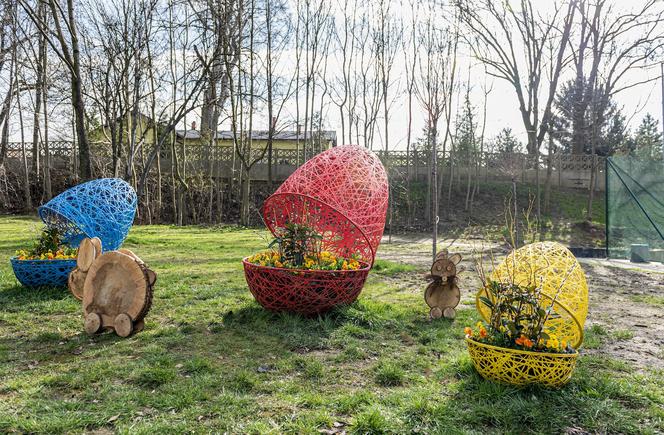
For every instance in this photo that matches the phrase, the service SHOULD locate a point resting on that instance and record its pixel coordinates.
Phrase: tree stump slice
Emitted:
(131, 254)
(96, 242)
(75, 283)
(87, 252)
(117, 284)
(139, 326)
(435, 313)
(123, 325)
(92, 323)
(439, 294)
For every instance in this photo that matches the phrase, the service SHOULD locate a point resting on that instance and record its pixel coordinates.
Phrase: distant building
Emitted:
(101, 135)
(282, 140)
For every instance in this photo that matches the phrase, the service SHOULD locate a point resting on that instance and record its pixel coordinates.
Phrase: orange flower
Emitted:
(524, 341)
(483, 333)
(468, 331)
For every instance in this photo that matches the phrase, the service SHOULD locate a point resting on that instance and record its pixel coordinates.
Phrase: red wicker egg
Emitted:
(343, 194)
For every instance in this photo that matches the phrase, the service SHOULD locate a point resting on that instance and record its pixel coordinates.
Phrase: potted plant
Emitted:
(515, 346)
(297, 274)
(533, 307)
(47, 263)
(327, 218)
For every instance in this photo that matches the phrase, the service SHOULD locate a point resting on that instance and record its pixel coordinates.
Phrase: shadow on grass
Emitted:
(593, 391)
(17, 295)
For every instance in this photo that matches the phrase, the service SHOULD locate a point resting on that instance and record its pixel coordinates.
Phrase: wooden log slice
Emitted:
(87, 252)
(96, 241)
(435, 313)
(75, 282)
(443, 268)
(442, 295)
(131, 254)
(117, 284)
(449, 313)
(455, 258)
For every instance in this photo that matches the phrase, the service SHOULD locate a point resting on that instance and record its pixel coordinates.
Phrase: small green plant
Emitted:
(296, 241)
(50, 246)
(517, 319)
(370, 421)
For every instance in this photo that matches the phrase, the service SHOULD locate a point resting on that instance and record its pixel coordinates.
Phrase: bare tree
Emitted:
(512, 41)
(435, 83)
(64, 41)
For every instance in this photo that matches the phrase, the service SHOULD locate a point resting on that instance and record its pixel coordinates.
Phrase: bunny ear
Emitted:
(455, 258)
(441, 254)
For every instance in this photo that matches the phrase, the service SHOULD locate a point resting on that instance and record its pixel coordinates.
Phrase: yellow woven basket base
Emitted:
(517, 367)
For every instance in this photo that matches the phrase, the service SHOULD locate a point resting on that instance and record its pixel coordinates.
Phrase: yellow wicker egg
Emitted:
(552, 266)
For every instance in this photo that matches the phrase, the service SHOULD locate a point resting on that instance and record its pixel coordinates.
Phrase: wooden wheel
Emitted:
(435, 313)
(119, 289)
(449, 313)
(92, 323)
(123, 325)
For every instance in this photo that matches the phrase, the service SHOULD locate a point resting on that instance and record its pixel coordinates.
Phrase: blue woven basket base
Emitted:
(103, 208)
(36, 273)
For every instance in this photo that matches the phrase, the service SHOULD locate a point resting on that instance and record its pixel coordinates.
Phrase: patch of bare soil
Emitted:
(618, 296)
(615, 303)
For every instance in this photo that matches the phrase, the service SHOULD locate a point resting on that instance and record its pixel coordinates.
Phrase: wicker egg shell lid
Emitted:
(342, 193)
(553, 267)
(103, 208)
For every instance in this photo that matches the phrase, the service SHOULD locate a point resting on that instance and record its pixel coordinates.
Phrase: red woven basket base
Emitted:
(307, 292)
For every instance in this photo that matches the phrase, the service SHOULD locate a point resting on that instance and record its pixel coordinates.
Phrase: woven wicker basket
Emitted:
(520, 367)
(37, 273)
(308, 292)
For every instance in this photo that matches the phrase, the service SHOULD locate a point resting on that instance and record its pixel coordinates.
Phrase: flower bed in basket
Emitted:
(103, 208)
(48, 263)
(332, 206)
(530, 335)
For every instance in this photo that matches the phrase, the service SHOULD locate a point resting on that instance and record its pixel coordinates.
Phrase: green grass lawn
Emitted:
(212, 360)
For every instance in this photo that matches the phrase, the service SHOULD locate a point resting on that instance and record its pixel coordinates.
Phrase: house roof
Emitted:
(259, 135)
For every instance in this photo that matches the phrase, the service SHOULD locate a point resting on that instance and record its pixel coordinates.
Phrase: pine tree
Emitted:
(466, 133)
(507, 143)
(648, 139)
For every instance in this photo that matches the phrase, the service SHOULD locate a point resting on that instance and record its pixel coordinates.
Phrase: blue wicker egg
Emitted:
(103, 208)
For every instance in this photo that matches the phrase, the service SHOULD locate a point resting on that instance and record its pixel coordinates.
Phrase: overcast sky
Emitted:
(502, 107)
